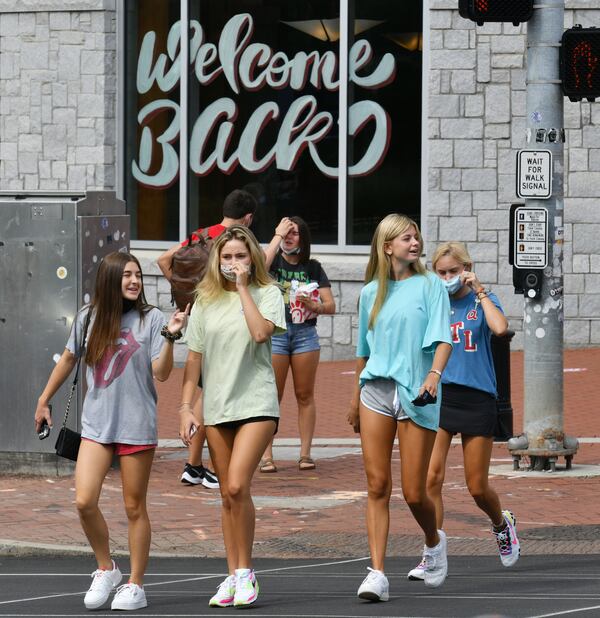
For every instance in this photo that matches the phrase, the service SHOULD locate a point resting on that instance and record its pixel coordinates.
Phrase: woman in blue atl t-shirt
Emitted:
(469, 399)
(403, 345)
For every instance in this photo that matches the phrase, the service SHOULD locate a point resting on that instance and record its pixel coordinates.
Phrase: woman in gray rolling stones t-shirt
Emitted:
(119, 337)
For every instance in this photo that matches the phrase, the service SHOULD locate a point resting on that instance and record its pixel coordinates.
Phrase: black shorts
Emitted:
(467, 411)
(252, 419)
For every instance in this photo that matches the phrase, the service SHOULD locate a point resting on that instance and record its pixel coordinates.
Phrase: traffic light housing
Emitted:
(580, 63)
(481, 11)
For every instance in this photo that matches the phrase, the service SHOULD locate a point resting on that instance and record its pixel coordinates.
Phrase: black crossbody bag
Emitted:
(68, 441)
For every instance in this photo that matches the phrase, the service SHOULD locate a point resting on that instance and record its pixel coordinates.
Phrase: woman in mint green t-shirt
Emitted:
(404, 342)
(238, 308)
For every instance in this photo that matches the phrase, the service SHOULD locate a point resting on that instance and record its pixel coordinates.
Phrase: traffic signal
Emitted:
(481, 11)
(580, 63)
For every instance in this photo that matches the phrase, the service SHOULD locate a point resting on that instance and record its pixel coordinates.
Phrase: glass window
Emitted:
(385, 112)
(270, 123)
(262, 111)
(152, 119)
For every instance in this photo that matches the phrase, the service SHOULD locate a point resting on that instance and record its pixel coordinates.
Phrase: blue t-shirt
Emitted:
(471, 363)
(414, 318)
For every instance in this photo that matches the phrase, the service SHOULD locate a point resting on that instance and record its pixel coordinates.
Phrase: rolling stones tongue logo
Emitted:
(115, 359)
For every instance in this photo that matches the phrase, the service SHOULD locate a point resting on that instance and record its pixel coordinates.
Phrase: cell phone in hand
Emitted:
(193, 430)
(44, 431)
(424, 399)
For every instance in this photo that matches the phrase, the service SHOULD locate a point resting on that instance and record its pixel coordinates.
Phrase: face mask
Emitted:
(294, 251)
(453, 285)
(227, 272)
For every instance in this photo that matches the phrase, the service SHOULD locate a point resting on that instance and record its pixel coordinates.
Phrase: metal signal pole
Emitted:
(543, 316)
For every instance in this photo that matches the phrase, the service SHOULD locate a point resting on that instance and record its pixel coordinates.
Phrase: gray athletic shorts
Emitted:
(381, 396)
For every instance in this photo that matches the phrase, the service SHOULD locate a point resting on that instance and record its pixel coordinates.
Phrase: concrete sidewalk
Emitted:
(322, 513)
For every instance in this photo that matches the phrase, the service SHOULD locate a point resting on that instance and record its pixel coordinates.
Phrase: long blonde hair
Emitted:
(454, 249)
(212, 284)
(380, 265)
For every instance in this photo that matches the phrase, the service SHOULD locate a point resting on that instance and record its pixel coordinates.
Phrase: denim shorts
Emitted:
(298, 338)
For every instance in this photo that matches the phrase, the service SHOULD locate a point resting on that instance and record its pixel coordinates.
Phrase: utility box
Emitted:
(50, 247)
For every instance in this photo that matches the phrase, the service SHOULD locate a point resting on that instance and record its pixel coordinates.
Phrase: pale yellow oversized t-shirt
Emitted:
(237, 373)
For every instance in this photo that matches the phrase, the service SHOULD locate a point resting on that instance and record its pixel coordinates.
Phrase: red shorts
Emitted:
(125, 449)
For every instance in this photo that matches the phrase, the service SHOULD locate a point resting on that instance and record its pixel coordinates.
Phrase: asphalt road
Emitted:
(537, 587)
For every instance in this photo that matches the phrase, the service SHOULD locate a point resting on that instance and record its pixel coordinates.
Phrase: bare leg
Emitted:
(240, 456)
(135, 473)
(197, 442)
(220, 445)
(377, 433)
(437, 473)
(281, 363)
(477, 452)
(416, 444)
(304, 370)
(92, 465)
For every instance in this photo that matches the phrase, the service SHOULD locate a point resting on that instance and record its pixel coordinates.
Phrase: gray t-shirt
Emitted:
(120, 404)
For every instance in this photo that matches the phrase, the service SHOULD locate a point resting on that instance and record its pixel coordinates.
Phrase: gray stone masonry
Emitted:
(476, 117)
(57, 88)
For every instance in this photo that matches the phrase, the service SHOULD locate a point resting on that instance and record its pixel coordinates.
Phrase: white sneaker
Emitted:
(436, 562)
(103, 583)
(246, 587)
(509, 547)
(375, 587)
(129, 596)
(225, 593)
(418, 573)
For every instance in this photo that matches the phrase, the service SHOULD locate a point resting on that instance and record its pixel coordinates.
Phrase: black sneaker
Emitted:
(209, 479)
(192, 475)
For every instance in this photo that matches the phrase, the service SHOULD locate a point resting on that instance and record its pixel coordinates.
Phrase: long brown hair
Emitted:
(380, 264)
(304, 240)
(107, 305)
(212, 284)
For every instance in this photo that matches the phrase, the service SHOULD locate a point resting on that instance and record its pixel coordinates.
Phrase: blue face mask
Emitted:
(453, 285)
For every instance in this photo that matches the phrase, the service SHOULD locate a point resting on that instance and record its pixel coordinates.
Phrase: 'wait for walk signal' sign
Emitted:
(534, 174)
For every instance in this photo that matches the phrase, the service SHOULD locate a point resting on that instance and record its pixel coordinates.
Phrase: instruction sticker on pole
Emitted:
(534, 174)
(531, 237)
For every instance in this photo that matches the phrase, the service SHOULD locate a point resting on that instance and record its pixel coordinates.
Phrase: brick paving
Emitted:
(321, 513)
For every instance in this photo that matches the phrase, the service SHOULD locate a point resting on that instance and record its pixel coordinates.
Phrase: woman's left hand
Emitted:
(430, 383)
(470, 278)
(178, 320)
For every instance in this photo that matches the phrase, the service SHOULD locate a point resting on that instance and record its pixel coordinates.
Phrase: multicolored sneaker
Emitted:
(418, 573)
(225, 593)
(509, 547)
(246, 587)
(436, 562)
(375, 587)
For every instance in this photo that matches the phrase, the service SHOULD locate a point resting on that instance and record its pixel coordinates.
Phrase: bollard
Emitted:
(501, 356)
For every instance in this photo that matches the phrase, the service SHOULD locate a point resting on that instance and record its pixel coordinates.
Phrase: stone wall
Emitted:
(476, 125)
(57, 95)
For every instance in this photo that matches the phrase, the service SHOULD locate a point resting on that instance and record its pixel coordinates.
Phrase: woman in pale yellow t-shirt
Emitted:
(238, 308)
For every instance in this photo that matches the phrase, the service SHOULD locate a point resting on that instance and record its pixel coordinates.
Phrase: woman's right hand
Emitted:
(354, 417)
(42, 413)
(187, 421)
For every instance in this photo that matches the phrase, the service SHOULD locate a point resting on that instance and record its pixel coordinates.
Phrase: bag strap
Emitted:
(76, 378)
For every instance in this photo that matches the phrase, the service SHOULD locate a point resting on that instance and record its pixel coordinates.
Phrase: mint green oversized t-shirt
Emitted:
(414, 318)
(237, 374)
